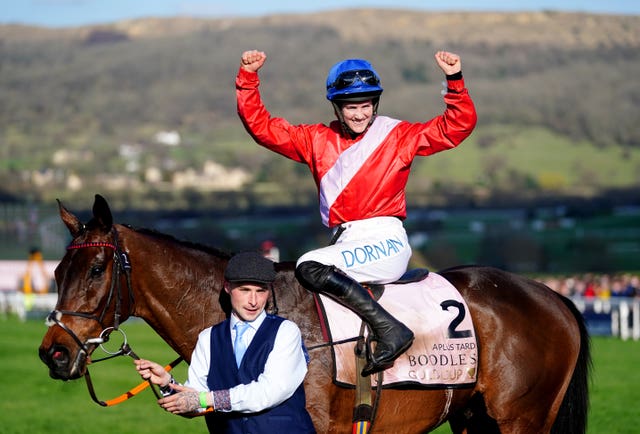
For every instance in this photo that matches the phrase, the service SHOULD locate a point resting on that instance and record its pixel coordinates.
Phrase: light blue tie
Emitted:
(239, 347)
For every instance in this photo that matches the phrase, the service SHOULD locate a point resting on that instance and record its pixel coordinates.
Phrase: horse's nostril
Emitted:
(57, 355)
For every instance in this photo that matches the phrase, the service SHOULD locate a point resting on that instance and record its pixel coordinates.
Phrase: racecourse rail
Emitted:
(615, 316)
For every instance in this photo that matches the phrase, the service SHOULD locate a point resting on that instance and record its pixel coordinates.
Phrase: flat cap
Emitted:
(250, 267)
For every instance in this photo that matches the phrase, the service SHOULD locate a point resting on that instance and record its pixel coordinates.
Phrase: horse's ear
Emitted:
(102, 213)
(72, 222)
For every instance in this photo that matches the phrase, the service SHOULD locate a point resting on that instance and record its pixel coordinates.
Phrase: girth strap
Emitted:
(364, 412)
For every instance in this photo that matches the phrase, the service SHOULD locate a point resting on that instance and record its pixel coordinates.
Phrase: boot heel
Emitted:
(387, 360)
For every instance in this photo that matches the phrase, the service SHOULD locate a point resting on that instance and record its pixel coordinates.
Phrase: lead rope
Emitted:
(125, 350)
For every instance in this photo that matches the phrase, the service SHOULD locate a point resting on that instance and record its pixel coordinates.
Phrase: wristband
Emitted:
(167, 390)
(203, 400)
(456, 76)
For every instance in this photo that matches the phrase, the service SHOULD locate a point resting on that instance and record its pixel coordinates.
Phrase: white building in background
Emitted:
(212, 177)
(168, 138)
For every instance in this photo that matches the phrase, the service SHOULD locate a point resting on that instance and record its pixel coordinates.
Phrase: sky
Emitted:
(71, 13)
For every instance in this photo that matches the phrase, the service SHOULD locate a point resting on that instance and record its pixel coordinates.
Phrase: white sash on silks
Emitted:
(350, 162)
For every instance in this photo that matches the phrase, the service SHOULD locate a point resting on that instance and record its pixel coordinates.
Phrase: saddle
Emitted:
(410, 276)
(443, 354)
(444, 351)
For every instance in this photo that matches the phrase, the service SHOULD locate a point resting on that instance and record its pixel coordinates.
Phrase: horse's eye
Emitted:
(97, 270)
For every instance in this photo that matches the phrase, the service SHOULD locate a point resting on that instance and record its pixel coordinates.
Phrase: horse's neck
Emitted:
(176, 291)
(297, 304)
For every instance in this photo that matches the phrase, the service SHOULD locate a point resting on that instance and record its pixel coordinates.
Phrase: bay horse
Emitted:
(533, 360)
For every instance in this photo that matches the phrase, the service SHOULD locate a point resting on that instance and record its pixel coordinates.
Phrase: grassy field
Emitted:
(31, 402)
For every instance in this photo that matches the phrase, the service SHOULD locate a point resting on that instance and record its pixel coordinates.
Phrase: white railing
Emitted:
(617, 316)
(37, 301)
(27, 305)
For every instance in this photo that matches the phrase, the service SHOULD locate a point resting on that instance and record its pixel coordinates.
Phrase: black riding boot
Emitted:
(391, 336)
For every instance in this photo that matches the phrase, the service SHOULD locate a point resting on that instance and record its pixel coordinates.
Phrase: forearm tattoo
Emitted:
(188, 401)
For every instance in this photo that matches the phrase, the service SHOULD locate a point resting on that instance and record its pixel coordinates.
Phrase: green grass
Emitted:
(31, 402)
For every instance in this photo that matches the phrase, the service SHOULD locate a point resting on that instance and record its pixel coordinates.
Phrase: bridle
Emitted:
(121, 266)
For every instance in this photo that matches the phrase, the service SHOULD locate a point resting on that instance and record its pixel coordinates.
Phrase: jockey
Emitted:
(360, 163)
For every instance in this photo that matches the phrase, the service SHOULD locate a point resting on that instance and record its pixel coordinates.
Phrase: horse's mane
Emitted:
(188, 244)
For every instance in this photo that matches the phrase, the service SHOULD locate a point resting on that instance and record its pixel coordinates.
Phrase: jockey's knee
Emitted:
(313, 275)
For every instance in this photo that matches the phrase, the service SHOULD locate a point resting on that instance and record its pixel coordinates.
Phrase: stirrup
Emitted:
(374, 365)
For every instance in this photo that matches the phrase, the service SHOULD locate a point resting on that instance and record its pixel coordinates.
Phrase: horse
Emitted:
(533, 346)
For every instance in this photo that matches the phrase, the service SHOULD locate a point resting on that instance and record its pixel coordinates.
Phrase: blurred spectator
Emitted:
(589, 289)
(270, 251)
(623, 286)
(633, 286)
(591, 285)
(603, 286)
(35, 279)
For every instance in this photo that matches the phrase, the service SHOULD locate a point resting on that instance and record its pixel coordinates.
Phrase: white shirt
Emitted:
(284, 370)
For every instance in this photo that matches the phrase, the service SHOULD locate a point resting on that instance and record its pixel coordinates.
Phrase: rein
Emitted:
(121, 264)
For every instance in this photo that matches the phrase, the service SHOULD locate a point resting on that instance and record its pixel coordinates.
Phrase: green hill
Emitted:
(557, 96)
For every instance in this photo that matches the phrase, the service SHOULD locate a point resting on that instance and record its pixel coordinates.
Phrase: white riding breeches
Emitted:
(374, 250)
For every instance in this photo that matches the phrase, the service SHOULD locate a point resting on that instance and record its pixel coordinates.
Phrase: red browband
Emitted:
(96, 244)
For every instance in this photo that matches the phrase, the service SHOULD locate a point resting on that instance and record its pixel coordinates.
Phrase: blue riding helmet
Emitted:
(353, 79)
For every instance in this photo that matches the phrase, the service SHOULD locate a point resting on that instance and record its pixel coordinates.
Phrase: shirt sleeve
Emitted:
(200, 359)
(283, 373)
(445, 131)
(274, 133)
